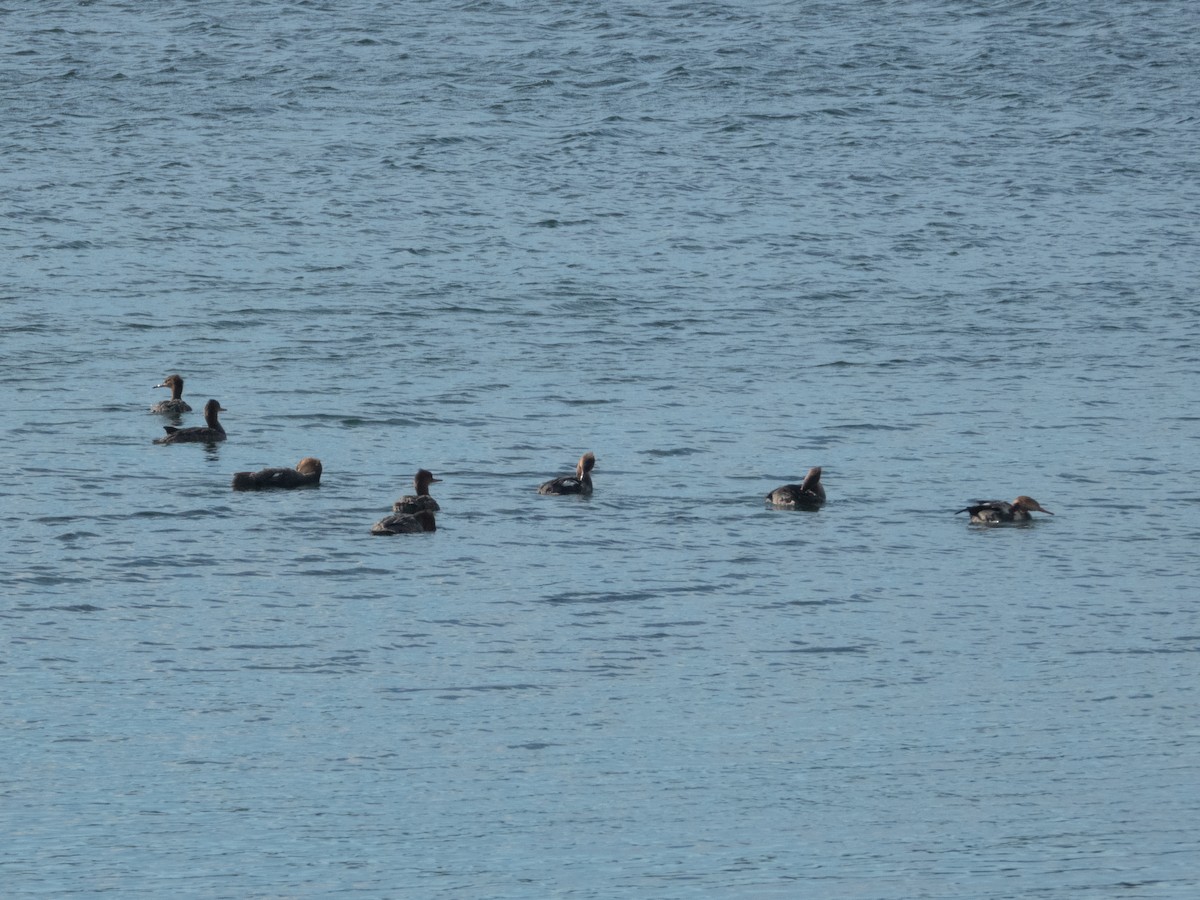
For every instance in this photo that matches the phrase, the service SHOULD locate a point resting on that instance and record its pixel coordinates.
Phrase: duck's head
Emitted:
(1030, 505)
(310, 465)
(174, 382)
(211, 408)
(587, 462)
(422, 480)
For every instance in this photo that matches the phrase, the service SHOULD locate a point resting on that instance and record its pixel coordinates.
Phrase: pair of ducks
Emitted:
(176, 406)
(810, 494)
(413, 514)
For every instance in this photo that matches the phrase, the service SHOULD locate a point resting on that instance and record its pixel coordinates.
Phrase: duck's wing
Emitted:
(978, 506)
(567, 484)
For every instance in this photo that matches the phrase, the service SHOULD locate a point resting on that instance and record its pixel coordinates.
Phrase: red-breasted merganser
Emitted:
(809, 494)
(405, 523)
(579, 483)
(994, 512)
(212, 433)
(421, 501)
(175, 406)
(306, 474)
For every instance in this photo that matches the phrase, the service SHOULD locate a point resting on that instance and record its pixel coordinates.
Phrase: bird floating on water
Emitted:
(405, 523)
(579, 483)
(175, 406)
(208, 434)
(809, 494)
(996, 512)
(306, 474)
(420, 501)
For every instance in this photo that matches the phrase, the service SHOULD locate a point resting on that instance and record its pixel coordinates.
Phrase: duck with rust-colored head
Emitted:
(175, 406)
(997, 512)
(420, 501)
(209, 434)
(306, 474)
(808, 494)
(405, 523)
(579, 483)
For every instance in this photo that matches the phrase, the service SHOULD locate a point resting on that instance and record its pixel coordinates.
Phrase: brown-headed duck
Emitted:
(808, 494)
(421, 501)
(405, 523)
(579, 483)
(175, 406)
(207, 435)
(996, 512)
(306, 474)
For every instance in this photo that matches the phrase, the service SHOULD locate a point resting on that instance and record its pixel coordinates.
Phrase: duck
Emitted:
(405, 523)
(996, 512)
(579, 483)
(306, 474)
(175, 406)
(808, 494)
(207, 435)
(411, 503)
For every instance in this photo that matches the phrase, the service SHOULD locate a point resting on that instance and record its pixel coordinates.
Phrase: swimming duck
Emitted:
(306, 474)
(175, 406)
(405, 523)
(808, 494)
(411, 503)
(213, 432)
(579, 483)
(994, 512)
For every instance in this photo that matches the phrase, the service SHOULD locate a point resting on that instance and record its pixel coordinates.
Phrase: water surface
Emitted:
(945, 252)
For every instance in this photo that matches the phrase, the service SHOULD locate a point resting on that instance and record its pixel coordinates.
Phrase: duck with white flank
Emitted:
(997, 512)
(579, 483)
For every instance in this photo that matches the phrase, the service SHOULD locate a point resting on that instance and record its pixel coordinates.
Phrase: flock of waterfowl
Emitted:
(413, 513)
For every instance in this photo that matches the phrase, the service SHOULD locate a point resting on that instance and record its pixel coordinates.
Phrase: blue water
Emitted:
(943, 250)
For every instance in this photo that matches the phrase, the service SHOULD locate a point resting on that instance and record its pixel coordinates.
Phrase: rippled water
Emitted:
(945, 251)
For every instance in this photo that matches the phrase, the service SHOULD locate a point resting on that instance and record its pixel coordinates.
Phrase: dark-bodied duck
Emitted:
(207, 435)
(579, 483)
(996, 512)
(306, 474)
(421, 501)
(405, 523)
(175, 406)
(808, 494)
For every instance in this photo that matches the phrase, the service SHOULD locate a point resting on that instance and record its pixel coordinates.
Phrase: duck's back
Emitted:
(404, 523)
(171, 407)
(200, 435)
(567, 484)
(796, 496)
(412, 503)
(991, 512)
(274, 479)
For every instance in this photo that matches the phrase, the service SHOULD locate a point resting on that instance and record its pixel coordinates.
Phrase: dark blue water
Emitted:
(944, 251)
